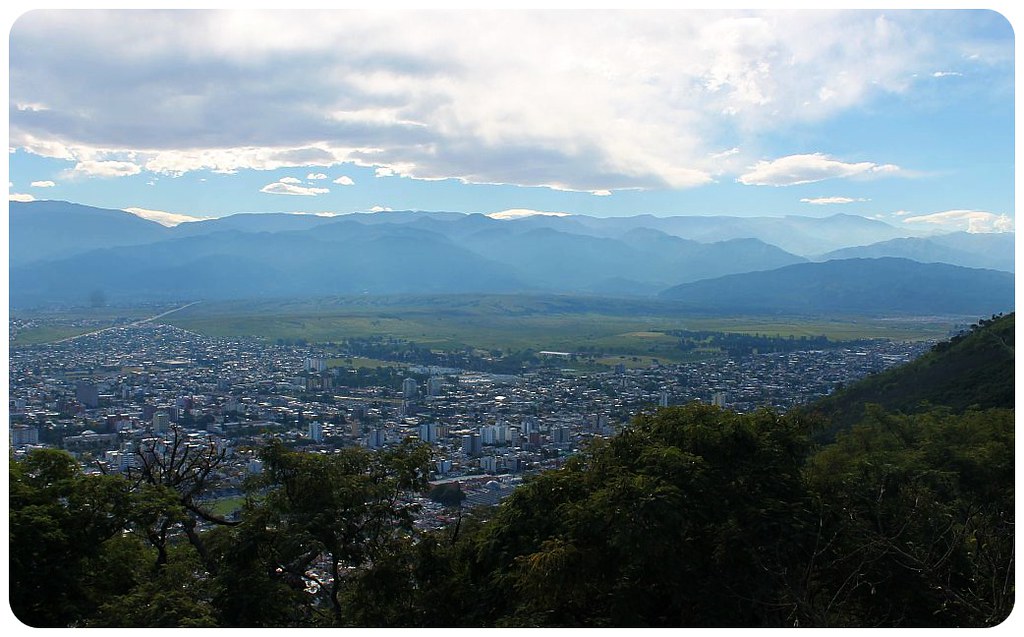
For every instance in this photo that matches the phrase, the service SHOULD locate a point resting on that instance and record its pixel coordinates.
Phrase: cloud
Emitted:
(43, 184)
(168, 219)
(290, 180)
(805, 169)
(380, 209)
(315, 176)
(824, 201)
(601, 193)
(283, 187)
(592, 102)
(20, 197)
(92, 168)
(344, 181)
(974, 221)
(947, 74)
(519, 213)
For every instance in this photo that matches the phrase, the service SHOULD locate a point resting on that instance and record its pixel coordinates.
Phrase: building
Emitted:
(87, 394)
(161, 421)
(24, 435)
(409, 388)
(316, 365)
(434, 386)
(316, 431)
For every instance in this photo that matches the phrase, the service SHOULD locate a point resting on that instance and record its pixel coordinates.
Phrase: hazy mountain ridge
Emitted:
(60, 252)
(990, 250)
(858, 286)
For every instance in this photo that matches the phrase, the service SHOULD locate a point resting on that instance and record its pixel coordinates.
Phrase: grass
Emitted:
(48, 334)
(358, 362)
(225, 506)
(614, 327)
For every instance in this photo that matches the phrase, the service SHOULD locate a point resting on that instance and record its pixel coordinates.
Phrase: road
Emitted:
(134, 324)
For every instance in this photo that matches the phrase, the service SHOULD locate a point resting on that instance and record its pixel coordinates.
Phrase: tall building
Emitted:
(87, 394)
(434, 386)
(161, 421)
(428, 432)
(409, 388)
(316, 431)
(317, 365)
(24, 435)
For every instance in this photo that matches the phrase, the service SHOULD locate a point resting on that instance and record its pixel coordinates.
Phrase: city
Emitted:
(107, 396)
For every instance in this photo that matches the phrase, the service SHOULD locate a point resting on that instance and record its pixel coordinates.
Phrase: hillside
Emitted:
(980, 250)
(41, 230)
(974, 369)
(856, 286)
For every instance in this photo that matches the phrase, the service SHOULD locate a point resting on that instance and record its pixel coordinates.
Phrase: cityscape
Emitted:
(106, 396)
(376, 317)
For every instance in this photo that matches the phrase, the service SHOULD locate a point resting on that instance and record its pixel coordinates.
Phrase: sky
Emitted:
(901, 115)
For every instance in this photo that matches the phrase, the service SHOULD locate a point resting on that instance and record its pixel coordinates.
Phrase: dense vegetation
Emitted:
(974, 368)
(737, 345)
(691, 516)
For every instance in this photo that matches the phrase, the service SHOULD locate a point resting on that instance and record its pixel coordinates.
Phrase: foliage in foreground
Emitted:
(693, 516)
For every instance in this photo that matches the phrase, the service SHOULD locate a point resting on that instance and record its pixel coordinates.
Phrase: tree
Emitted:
(171, 477)
(313, 520)
(916, 521)
(60, 524)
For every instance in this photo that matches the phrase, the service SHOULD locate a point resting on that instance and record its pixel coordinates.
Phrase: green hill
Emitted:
(974, 369)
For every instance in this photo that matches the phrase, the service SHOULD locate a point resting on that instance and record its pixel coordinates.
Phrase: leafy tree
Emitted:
(170, 479)
(683, 519)
(916, 521)
(449, 494)
(60, 521)
(315, 519)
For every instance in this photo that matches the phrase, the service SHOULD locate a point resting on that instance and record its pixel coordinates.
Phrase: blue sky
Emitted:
(905, 116)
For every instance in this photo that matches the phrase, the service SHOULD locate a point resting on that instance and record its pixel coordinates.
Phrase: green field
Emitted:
(607, 327)
(613, 327)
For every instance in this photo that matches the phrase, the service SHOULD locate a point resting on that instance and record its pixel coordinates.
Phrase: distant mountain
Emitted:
(250, 222)
(74, 249)
(804, 236)
(981, 250)
(347, 258)
(41, 230)
(974, 369)
(857, 286)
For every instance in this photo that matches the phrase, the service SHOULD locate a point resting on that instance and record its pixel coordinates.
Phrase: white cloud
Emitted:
(315, 176)
(168, 219)
(20, 197)
(601, 193)
(92, 168)
(384, 171)
(947, 74)
(285, 188)
(380, 209)
(519, 213)
(592, 102)
(965, 220)
(43, 184)
(290, 180)
(344, 181)
(825, 201)
(805, 169)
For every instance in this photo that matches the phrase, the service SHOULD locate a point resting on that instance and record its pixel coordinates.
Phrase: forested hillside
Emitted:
(974, 368)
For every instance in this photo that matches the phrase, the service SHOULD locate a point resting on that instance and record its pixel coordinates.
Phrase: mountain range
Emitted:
(62, 252)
